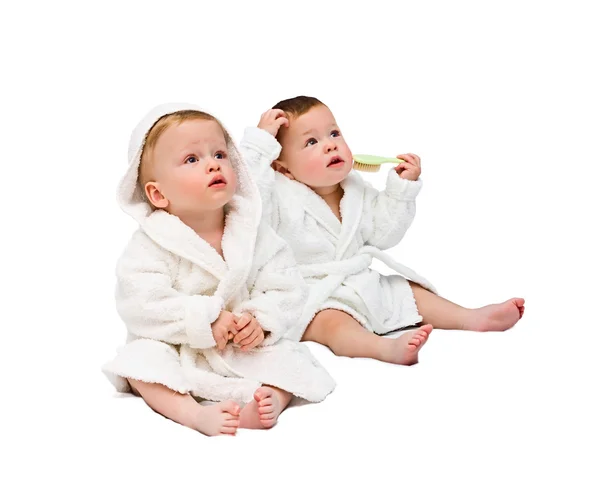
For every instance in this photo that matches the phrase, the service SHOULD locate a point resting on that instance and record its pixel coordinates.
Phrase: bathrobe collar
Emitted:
(243, 214)
(351, 209)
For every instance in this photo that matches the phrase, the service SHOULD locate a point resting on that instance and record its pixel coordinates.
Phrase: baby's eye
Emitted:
(191, 159)
(335, 133)
(312, 141)
(220, 155)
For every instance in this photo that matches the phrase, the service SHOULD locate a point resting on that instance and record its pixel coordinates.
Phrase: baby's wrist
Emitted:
(402, 188)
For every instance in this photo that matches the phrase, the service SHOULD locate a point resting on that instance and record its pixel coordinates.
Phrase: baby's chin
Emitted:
(219, 203)
(202, 206)
(328, 181)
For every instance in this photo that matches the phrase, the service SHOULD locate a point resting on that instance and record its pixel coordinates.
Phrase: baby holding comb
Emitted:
(336, 223)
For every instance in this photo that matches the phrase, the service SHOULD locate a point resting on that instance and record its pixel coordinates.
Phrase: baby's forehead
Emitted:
(202, 127)
(198, 132)
(189, 135)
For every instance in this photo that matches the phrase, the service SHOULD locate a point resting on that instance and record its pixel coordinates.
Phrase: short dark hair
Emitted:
(298, 106)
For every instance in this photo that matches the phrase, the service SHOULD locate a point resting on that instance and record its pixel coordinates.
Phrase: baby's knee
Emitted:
(325, 324)
(331, 318)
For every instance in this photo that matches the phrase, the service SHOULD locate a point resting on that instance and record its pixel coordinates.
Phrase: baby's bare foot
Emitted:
(220, 419)
(263, 411)
(405, 349)
(497, 317)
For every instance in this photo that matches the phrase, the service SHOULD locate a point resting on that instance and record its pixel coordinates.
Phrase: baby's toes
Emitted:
(266, 402)
(231, 407)
(268, 421)
(267, 418)
(266, 410)
(231, 423)
(262, 394)
(228, 430)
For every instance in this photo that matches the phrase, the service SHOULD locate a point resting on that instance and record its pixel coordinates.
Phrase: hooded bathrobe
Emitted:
(172, 285)
(334, 257)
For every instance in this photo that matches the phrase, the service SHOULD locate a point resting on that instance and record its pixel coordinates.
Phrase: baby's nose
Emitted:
(213, 165)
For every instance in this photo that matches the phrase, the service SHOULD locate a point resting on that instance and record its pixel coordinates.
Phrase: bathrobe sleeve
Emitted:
(278, 294)
(390, 212)
(149, 305)
(259, 149)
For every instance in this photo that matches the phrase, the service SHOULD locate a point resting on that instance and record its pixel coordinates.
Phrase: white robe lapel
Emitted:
(239, 240)
(317, 208)
(351, 209)
(171, 233)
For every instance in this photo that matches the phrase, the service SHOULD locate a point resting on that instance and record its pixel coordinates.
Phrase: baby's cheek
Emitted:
(231, 177)
(314, 169)
(232, 186)
(192, 185)
(347, 154)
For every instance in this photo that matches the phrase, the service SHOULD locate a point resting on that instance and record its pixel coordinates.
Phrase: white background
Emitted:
(501, 101)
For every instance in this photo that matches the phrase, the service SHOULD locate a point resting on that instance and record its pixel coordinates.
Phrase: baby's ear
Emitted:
(280, 168)
(154, 195)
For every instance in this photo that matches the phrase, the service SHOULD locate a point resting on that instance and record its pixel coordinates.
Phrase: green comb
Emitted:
(370, 163)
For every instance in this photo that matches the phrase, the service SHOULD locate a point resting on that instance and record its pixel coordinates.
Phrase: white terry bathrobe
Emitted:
(334, 257)
(172, 285)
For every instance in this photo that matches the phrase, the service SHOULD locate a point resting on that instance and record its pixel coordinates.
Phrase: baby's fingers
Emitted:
(243, 334)
(220, 340)
(282, 121)
(403, 166)
(417, 159)
(253, 341)
(276, 112)
(407, 158)
(242, 322)
(410, 158)
(253, 334)
(271, 114)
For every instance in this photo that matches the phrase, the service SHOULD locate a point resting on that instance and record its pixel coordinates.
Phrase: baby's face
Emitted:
(192, 168)
(314, 150)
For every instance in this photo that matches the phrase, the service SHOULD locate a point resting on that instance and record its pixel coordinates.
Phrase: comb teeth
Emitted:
(367, 168)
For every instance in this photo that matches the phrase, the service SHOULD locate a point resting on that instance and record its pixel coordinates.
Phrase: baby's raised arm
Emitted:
(259, 148)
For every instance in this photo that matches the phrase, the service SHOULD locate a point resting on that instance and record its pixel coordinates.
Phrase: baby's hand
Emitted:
(410, 169)
(224, 328)
(249, 332)
(272, 120)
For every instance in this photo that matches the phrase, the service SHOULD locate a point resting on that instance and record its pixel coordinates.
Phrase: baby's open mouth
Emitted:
(218, 180)
(336, 160)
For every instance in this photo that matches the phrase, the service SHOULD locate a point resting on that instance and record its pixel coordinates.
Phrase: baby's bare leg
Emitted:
(222, 418)
(444, 314)
(346, 337)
